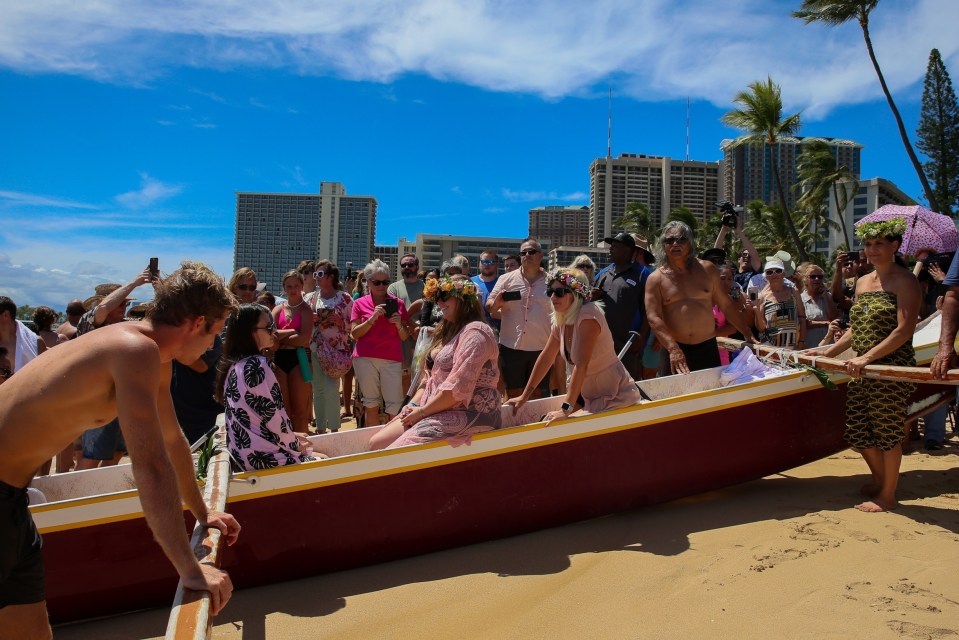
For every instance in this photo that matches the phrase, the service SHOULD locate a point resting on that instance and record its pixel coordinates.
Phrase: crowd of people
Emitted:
(437, 353)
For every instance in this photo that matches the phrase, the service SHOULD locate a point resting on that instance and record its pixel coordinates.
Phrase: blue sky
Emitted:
(127, 125)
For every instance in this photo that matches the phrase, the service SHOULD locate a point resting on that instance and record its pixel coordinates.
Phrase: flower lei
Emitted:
(887, 228)
(569, 281)
(462, 289)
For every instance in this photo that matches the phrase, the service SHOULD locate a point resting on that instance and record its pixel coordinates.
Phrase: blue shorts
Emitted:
(103, 442)
(21, 557)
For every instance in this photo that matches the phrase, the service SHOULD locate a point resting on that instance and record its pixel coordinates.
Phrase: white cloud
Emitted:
(651, 50)
(543, 196)
(150, 192)
(16, 198)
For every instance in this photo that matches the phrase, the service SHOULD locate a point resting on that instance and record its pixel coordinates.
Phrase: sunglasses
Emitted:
(584, 267)
(409, 265)
(379, 283)
(246, 287)
(529, 252)
(559, 292)
(770, 272)
(487, 262)
(815, 277)
(270, 328)
(671, 241)
(443, 296)
(319, 274)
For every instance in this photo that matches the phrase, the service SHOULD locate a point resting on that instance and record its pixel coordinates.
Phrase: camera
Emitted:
(730, 213)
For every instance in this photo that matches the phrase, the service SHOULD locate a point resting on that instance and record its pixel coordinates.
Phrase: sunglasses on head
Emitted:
(379, 283)
(769, 272)
(559, 292)
(487, 262)
(679, 240)
(529, 252)
(246, 287)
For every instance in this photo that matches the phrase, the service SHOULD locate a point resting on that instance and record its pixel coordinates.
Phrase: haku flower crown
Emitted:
(462, 289)
(568, 280)
(883, 229)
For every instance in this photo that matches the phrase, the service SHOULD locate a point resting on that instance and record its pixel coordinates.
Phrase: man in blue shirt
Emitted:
(486, 280)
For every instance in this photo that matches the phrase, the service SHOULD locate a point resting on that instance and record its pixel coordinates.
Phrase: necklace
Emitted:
(292, 307)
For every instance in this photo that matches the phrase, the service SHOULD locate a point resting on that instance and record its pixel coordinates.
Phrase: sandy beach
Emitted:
(781, 557)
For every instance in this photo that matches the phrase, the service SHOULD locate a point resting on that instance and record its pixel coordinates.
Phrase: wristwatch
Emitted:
(566, 407)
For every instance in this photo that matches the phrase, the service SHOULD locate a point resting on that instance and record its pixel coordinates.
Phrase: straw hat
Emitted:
(101, 292)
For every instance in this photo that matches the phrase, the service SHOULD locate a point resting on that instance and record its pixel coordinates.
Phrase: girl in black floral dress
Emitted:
(259, 432)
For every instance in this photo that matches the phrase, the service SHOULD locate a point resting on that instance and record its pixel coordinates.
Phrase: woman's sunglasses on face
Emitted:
(270, 328)
(559, 292)
(815, 276)
(319, 274)
(770, 272)
(379, 283)
(246, 287)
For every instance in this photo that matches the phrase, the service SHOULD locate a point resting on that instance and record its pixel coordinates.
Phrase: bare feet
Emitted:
(876, 506)
(870, 490)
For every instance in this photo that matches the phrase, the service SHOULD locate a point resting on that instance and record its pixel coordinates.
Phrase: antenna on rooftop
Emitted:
(609, 125)
(687, 128)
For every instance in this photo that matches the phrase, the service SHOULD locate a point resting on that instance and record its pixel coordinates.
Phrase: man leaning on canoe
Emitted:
(121, 370)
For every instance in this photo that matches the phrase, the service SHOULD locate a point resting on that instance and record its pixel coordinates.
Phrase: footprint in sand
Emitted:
(903, 597)
(919, 631)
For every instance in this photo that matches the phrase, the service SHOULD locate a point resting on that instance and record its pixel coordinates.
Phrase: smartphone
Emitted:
(155, 267)
(391, 306)
(512, 295)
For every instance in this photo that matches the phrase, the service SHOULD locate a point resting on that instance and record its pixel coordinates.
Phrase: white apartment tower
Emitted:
(660, 182)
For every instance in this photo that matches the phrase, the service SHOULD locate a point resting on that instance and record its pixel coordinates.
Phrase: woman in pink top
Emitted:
(294, 323)
(379, 326)
(459, 395)
(598, 380)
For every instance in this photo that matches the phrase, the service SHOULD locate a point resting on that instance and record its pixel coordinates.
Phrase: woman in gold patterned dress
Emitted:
(883, 319)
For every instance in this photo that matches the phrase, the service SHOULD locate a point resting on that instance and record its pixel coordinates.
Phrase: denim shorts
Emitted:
(103, 442)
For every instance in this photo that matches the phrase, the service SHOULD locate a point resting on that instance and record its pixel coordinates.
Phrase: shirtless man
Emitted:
(679, 305)
(123, 369)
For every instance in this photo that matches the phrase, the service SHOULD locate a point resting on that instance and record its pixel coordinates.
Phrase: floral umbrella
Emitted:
(925, 229)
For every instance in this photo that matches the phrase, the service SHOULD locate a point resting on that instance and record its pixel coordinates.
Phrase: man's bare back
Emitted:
(48, 404)
(686, 301)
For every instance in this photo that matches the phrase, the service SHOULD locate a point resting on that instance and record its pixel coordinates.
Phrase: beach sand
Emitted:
(781, 557)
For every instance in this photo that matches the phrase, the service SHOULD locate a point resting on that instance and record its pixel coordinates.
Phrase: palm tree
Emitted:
(818, 174)
(760, 116)
(836, 12)
(637, 219)
(768, 232)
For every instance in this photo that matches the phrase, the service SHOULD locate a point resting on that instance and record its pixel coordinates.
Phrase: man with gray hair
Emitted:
(680, 296)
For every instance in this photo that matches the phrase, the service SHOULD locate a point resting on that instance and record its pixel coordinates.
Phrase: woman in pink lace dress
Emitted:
(598, 380)
(459, 395)
(259, 432)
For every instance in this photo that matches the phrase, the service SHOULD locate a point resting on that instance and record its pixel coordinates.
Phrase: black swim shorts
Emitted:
(21, 559)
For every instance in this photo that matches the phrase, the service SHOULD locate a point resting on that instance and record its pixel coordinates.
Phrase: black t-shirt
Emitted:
(192, 394)
(622, 299)
(742, 279)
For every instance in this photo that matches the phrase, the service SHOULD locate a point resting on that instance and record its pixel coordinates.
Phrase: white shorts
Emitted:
(380, 379)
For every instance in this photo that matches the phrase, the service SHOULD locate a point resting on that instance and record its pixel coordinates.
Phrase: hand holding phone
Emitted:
(390, 307)
(155, 267)
(509, 296)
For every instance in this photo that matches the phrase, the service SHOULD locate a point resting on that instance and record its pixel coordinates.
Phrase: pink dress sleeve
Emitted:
(474, 348)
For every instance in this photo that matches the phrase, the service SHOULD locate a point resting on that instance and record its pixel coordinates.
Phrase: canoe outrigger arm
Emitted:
(889, 373)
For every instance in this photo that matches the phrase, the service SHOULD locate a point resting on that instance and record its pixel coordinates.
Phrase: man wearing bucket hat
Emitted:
(104, 446)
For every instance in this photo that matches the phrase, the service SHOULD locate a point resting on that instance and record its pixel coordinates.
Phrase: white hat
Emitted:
(774, 264)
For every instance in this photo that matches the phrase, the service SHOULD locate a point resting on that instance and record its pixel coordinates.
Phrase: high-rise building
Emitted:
(748, 173)
(661, 183)
(560, 225)
(275, 231)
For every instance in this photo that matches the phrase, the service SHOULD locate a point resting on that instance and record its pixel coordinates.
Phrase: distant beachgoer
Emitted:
(294, 323)
(74, 312)
(458, 396)
(579, 333)
(22, 344)
(267, 299)
(330, 344)
(243, 284)
(780, 314)
(44, 317)
(120, 369)
(260, 434)
(378, 354)
(883, 320)
(820, 309)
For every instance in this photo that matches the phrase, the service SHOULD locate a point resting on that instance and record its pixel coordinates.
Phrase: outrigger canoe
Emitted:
(360, 508)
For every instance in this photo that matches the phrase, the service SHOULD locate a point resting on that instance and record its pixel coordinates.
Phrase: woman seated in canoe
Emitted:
(458, 396)
(259, 432)
(598, 380)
